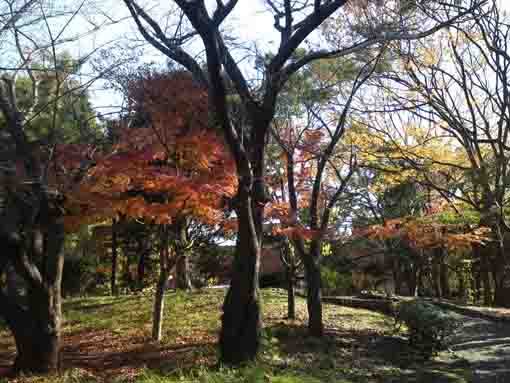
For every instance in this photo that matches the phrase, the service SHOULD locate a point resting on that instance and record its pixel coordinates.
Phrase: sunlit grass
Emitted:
(114, 333)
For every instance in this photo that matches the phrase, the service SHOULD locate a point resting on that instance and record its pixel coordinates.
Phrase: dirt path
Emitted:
(484, 346)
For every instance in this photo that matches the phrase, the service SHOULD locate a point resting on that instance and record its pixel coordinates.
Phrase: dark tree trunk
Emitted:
(114, 259)
(486, 280)
(241, 320)
(291, 296)
(444, 277)
(38, 341)
(462, 284)
(419, 281)
(36, 327)
(314, 294)
(183, 280)
(477, 277)
(15, 285)
(141, 264)
(411, 275)
(435, 271)
(397, 276)
(501, 275)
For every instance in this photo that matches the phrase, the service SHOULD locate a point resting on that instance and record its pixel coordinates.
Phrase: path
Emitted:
(485, 346)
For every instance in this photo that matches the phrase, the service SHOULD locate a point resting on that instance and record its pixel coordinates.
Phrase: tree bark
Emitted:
(501, 275)
(486, 281)
(15, 288)
(141, 264)
(241, 320)
(314, 294)
(114, 259)
(183, 280)
(436, 279)
(291, 296)
(159, 297)
(444, 278)
(159, 306)
(36, 328)
(397, 275)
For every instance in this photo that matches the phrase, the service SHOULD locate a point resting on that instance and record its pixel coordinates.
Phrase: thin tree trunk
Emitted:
(291, 296)
(462, 284)
(159, 306)
(183, 280)
(436, 274)
(159, 297)
(486, 281)
(141, 265)
(397, 276)
(444, 278)
(114, 258)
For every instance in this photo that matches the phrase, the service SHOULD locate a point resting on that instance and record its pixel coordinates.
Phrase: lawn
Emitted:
(107, 339)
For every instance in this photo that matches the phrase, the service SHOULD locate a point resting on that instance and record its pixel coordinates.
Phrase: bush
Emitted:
(429, 326)
(334, 282)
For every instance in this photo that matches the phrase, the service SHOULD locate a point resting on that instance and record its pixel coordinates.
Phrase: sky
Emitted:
(250, 21)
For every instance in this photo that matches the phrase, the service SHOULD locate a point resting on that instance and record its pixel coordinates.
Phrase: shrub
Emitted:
(334, 282)
(429, 326)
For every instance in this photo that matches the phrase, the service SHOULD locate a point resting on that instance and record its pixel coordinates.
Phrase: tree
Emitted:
(241, 321)
(166, 168)
(326, 168)
(31, 227)
(457, 90)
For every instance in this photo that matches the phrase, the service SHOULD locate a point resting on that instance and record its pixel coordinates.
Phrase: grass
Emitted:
(107, 339)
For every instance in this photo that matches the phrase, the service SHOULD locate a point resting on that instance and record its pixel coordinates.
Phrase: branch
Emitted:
(383, 38)
(307, 26)
(165, 45)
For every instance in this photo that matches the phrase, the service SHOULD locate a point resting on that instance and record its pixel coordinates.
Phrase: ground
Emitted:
(107, 339)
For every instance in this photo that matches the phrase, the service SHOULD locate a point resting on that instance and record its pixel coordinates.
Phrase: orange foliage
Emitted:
(171, 165)
(422, 233)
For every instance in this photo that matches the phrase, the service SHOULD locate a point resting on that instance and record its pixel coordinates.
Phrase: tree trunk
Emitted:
(159, 297)
(462, 284)
(486, 281)
(38, 340)
(397, 275)
(241, 321)
(183, 280)
(141, 265)
(15, 288)
(477, 277)
(444, 278)
(159, 306)
(37, 329)
(436, 275)
(291, 296)
(114, 259)
(501, 276)
(314, 294)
